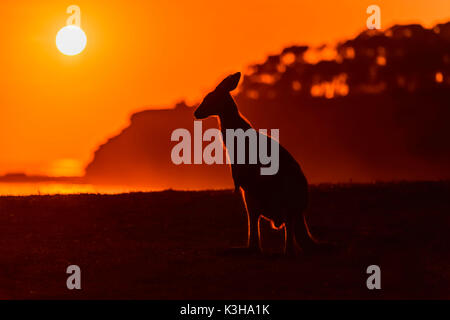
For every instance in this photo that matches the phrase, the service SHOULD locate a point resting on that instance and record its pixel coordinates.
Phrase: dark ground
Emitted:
(174, 245)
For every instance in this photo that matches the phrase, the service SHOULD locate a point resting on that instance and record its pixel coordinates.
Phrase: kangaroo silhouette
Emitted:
(282, 197)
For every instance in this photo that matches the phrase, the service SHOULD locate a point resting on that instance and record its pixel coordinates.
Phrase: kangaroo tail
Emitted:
(303, 236)
(307, 242)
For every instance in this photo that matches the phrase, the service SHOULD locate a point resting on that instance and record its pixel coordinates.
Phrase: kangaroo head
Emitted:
(219, 101)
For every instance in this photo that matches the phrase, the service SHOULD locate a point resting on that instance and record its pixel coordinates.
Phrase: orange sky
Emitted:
(146, 53)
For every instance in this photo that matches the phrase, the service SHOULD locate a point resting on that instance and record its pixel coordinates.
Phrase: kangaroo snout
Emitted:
(197, 114)
(202, 111)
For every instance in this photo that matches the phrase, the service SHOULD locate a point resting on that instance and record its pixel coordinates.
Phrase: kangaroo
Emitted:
(282, 197)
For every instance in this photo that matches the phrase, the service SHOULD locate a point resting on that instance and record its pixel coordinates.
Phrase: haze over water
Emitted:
(40, 188)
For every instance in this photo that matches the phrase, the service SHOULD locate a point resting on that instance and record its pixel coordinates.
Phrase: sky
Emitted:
(55, 110)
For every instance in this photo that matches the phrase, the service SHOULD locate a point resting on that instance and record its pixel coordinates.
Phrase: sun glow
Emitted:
(71, 40)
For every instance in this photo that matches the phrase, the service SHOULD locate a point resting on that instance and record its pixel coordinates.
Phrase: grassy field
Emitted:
(176, 245)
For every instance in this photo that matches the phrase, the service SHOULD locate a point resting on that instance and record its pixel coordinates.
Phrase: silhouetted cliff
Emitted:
(376, 107)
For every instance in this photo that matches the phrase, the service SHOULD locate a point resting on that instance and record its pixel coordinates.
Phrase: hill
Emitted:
(371, 108)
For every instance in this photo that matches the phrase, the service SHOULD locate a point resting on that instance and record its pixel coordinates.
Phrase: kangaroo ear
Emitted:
(230, 83)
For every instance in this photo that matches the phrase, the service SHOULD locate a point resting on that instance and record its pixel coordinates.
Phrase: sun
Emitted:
(71, 40)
